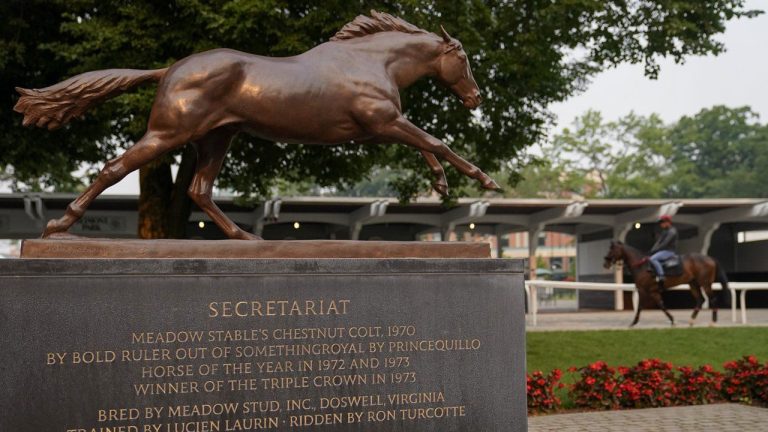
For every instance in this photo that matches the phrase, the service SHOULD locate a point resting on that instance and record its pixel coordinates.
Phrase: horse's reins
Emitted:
(638, 263)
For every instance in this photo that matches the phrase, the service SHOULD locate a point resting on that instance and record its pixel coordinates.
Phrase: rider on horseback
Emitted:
(664, 248)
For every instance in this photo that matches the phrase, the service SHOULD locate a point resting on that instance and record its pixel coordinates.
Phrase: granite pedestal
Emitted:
(190, 345)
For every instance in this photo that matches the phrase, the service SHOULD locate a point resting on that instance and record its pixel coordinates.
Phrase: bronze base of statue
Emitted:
(79, 247)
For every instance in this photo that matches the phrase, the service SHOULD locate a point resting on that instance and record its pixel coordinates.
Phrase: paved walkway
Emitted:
(703, 418)
(648, 319)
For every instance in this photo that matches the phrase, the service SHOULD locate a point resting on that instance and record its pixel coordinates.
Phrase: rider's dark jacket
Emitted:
(667, 241)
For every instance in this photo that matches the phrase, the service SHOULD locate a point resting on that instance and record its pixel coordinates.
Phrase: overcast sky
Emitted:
(735, 78)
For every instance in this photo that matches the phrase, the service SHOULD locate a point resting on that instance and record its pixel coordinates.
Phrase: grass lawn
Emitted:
(681, 346)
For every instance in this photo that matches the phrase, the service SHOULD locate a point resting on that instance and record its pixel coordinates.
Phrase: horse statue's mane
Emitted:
(376, 23)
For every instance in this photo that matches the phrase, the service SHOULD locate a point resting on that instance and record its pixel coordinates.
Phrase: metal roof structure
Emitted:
(23, 215)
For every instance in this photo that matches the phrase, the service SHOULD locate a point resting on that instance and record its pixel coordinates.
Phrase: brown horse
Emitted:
(345, 90)
(699, 272)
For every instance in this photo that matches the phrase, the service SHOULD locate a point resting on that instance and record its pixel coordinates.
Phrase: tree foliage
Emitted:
(719, 152)
(526, 54)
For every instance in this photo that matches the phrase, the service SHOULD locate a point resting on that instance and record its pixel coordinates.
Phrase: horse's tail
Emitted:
(56, 105)
(720, 276)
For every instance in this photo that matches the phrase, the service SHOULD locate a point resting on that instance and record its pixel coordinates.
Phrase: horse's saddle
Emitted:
(673, 266)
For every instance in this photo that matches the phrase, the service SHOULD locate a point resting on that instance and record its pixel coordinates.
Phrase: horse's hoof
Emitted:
(244, 235)
(712, 324)
(64, 235)
(490, 184)
(690, 323)
(53, 227)
(440, 188)
(673, 324)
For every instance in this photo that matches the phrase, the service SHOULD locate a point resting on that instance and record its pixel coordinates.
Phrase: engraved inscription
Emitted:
(317, 376)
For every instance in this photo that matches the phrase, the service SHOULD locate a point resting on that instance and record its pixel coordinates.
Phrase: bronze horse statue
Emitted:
(699, 272)
(344, 90)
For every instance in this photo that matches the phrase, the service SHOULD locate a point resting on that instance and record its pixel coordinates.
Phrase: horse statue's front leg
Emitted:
(402, 130)
(440, 185)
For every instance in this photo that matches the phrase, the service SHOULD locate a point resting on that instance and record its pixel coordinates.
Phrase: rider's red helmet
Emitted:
(664, 218)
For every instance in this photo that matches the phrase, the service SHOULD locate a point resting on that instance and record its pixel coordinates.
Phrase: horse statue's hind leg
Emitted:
(211, 150)
(149, 147)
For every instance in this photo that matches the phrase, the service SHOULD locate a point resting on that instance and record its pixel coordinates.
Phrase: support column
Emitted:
(364, 215)
(461, 215)
(533, 244)
(620, 234)
(35, 210)
(705, 237)
(269, 211)
(499, 248)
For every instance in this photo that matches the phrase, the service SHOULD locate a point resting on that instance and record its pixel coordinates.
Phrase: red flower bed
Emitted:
(597, 388)
(541, 391)
(746, 380)
(651, 383)
(698, 386)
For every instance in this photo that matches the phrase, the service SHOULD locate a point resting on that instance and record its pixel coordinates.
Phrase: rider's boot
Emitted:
(660, 281)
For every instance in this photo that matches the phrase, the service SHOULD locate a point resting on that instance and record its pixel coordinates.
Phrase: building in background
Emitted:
(560, 238)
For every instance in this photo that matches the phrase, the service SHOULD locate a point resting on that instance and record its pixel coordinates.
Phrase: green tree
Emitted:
(641, 168)
(621, 159)
(548, 176)
(526, 55)
(720, 152)
(35, 159)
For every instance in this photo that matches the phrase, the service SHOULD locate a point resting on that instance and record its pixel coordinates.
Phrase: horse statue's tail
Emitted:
(720, 276)
(56, 105)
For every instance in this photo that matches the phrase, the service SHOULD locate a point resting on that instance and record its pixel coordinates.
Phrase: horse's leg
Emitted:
(698, 300)
(402, 130)
(211, 150)
(150, 146)
(713, 301)
(640, 298)
(656, 296)
(440, 184)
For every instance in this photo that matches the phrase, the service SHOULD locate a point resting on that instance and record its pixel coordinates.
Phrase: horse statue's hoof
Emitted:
(440, 188)
(250, 236)
(52, 227)
(490, 184)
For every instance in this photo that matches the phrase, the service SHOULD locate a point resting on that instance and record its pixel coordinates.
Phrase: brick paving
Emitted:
(727, 417)
(602, 320)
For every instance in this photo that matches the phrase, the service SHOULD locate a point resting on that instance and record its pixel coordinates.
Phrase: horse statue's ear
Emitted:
(446, 37)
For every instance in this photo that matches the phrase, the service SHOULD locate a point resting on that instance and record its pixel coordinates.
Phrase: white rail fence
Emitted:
(532, 288)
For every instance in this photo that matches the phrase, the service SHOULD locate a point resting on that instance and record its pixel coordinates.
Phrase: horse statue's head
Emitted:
(448, 61)
(454, 72)
(615, 253)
